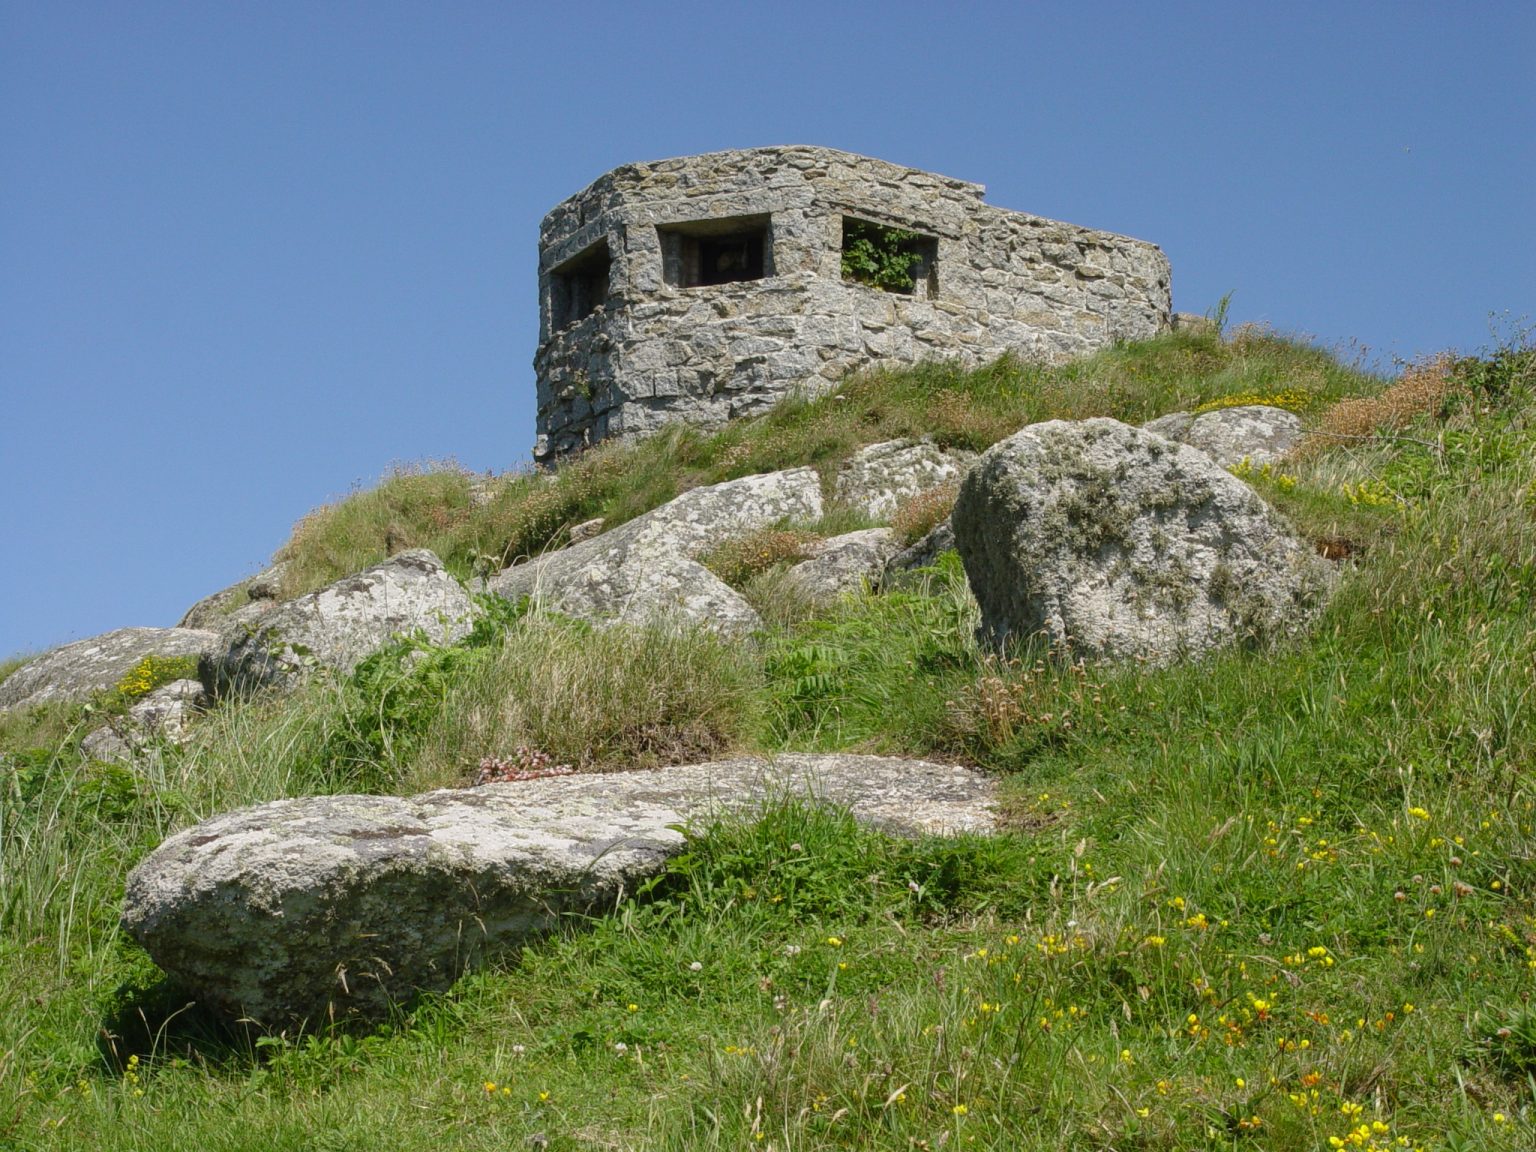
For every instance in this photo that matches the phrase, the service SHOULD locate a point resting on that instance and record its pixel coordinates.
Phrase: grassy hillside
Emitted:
(1278, 900)
(522, 515)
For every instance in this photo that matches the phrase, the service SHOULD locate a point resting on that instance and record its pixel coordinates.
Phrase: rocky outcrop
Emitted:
(877, 478)
(1113, 542)
(244, 601)
(646, 570)
(847, 563)
(292, 909)
(77, 671)
(163, 715)
(1256, 433)
(340, 625)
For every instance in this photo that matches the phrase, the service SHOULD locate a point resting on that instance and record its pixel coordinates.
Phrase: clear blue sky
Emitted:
(252, 254)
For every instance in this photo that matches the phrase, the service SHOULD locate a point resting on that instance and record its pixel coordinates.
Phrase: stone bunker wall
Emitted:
(709, 287)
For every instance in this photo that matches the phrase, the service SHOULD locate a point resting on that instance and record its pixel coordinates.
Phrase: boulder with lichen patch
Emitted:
(1111, 542)
(242, 601)
(1256, 433)
(78, 671)
(343, 623)
(165, 715)
(301, 909)
(852, 562)
(647, 570)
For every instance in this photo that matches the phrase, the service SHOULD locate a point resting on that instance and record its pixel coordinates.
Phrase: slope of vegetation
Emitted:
(484, 525)
(1276, 900)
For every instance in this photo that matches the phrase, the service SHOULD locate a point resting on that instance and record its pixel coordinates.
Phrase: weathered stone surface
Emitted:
(107, 744)
(1170, 427)
(77, 670)
(635, 332)
(1113, 542)
(484, 489)
(846, 563)
(164, 714)
(878, 477)
(587, 529)
(645, 570)
(244, 600)
(288, 909)
(268, 584)
(342, 623)
(1256, 433)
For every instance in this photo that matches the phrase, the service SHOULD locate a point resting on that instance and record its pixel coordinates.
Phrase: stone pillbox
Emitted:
(710, 287)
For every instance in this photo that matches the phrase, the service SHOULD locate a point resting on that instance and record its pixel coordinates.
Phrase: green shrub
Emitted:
(877, 256)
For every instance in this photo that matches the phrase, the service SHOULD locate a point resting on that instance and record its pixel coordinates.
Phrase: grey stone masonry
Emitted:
(709, 287)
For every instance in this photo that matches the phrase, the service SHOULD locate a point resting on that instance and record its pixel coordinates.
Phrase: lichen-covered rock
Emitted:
(245, 600)
(1170, 427)
(164, 714)
(661, 586)
(1113, 542)
(76, 671)
(109, 744)
(292, 909)
(646, 571)
(1257, 433)
(342, 623)
(878, 477)
(587, 529)
(846, 563)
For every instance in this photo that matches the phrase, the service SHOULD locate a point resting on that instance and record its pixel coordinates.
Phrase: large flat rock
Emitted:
(79, 670)
(293, 909)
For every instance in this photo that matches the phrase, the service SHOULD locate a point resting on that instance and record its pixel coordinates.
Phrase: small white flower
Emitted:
(621, 1047)
(518, 1049)
(695, 967)
(791, 949)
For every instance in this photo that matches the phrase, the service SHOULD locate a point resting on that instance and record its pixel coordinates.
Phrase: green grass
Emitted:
(1256, 903)
(523, 514)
